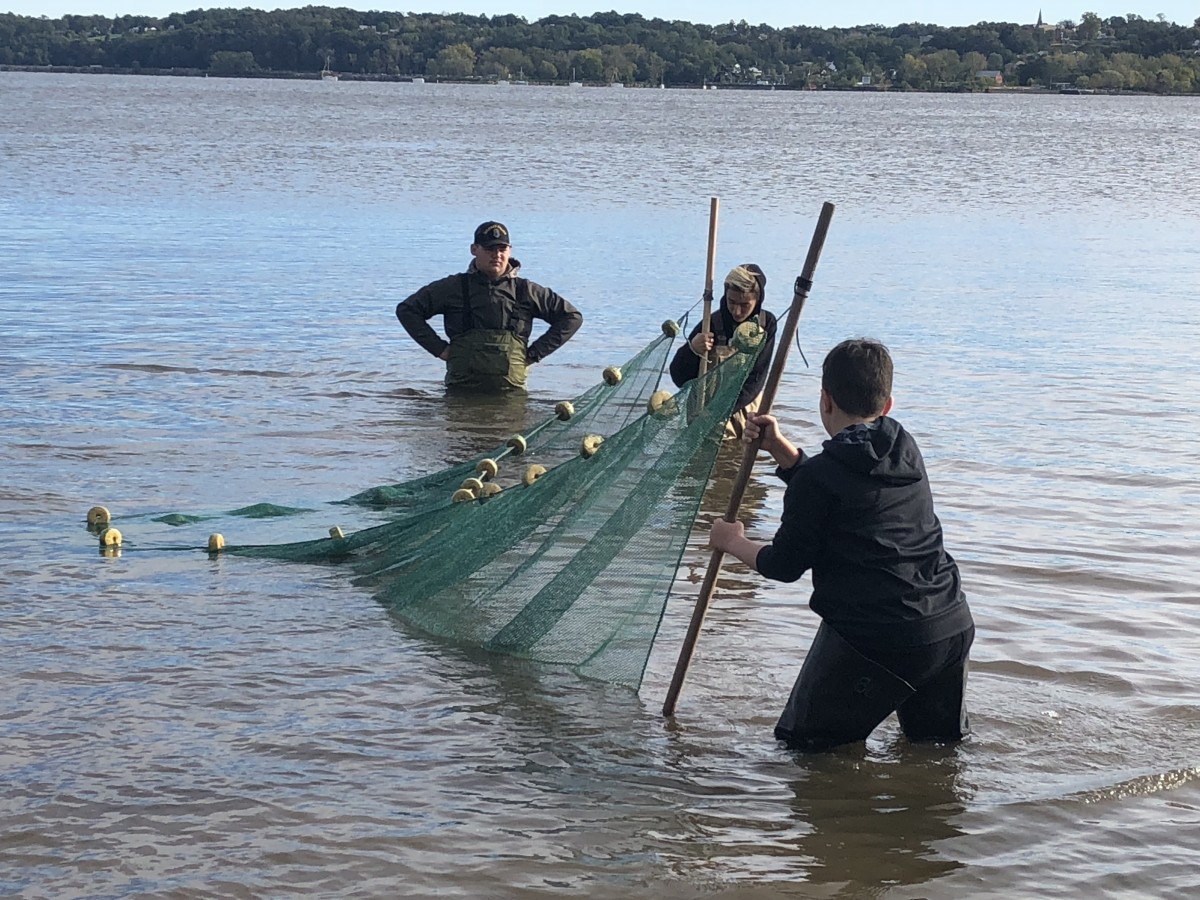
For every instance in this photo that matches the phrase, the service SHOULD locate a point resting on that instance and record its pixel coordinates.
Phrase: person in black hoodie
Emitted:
(896, 629)
(741, 301)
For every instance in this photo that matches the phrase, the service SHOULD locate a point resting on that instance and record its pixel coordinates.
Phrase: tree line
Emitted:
(1117, 53)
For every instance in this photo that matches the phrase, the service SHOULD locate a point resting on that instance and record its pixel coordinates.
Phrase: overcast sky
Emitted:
(778, 13)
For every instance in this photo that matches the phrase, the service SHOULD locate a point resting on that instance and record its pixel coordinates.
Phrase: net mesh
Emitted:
(573, 567)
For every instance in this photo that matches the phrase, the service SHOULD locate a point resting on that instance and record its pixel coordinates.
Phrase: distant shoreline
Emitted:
(408, 79)
(1117, 55)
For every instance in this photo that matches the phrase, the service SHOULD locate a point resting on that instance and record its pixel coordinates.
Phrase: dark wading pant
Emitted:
(841, 696)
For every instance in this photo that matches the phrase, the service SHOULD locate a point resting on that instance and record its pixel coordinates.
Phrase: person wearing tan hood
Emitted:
(741, 301)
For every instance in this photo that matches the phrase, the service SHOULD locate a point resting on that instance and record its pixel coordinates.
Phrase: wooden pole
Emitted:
(708, 275)
(800, 294)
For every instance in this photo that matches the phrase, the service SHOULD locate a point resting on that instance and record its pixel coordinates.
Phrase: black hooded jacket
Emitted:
(860, 515)
(685, 365)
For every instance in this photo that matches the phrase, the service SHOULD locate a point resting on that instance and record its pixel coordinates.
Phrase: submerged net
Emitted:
(572, 567)
(604, 409)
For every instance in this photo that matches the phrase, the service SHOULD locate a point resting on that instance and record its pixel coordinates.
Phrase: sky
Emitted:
(777, 13)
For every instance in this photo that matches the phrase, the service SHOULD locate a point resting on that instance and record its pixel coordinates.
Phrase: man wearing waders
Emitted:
(896, 629)
(487, 313)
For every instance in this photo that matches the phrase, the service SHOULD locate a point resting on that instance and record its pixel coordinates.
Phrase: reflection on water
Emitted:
(196, 314)
(476, 423)
(879, 820)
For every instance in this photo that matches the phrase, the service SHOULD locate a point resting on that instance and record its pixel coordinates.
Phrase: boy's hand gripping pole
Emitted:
(800, 294)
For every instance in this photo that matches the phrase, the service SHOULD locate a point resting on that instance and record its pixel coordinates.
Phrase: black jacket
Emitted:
(495, 305)
(860, 515)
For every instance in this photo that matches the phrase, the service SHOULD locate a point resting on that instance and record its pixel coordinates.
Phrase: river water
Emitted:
(197, 283)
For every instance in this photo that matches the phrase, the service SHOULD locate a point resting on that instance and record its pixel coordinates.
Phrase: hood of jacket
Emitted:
(882, 449)
(514, 266)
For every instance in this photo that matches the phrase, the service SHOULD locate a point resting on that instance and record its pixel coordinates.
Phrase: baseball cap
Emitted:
(492, 234)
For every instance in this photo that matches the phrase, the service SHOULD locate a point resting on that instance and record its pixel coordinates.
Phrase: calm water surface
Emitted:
(197, 280)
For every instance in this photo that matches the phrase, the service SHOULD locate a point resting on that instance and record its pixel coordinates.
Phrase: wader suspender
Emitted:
(522, 299)
(761, 318)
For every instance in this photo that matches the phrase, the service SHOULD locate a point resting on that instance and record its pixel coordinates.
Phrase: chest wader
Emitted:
(487, 359)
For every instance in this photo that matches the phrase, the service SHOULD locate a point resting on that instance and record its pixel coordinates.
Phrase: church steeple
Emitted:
(1039, 24)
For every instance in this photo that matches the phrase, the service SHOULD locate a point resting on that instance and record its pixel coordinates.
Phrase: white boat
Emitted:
(418, 80)
(327, 74)
(573, 82)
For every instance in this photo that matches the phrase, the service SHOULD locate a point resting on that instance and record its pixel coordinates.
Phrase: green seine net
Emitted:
(572, 568)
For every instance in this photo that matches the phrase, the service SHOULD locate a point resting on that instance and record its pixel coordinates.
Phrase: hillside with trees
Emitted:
(1122, 53)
